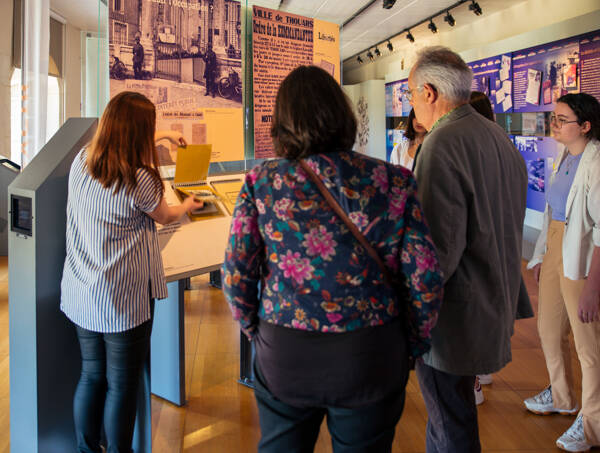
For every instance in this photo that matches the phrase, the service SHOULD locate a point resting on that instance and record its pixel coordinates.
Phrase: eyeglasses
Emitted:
(560, 122)
(409, 93)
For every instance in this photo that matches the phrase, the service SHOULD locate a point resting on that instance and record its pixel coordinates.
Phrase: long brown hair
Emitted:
(124, 142)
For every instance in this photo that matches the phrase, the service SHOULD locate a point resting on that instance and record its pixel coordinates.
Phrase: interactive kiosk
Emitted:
(44, 352)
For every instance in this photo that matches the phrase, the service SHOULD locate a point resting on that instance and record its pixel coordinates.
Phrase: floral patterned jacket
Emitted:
(291, 261)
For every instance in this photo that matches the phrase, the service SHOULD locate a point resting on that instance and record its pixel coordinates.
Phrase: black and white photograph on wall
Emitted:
(185, 56)
(177, 50)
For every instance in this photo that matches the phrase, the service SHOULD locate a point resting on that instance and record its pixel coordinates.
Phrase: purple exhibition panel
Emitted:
(493, 76)
(589, 46)
(544, 73)
(396, 103)
(539, 154)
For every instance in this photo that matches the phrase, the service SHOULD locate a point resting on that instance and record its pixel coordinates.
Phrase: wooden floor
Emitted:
(221, 415)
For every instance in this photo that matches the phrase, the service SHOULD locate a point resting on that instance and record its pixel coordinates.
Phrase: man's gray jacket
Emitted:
(472, 183)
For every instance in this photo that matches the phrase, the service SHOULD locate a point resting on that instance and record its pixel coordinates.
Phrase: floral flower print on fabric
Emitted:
(291, 261)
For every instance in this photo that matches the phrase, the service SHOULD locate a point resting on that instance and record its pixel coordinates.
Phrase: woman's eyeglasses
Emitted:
(560, 122)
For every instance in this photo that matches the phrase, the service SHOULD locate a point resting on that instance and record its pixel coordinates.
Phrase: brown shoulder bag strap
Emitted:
(344, 217)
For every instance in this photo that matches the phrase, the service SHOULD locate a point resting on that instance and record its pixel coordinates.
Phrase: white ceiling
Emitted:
(373, 25)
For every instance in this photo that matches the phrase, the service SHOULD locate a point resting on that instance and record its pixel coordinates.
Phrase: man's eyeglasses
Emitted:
(409, 93)
(560, 122)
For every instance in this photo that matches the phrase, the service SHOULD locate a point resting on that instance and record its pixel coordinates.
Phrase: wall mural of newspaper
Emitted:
(185, 56)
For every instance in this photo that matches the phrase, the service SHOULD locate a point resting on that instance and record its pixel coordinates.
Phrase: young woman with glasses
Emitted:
(566, 264)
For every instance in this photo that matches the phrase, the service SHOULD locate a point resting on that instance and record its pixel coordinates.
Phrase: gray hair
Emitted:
(446, 71)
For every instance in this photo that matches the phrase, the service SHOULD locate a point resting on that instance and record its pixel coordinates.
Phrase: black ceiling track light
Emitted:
(450, 19)
(474, 6)
(432, 26)
(387, 4)
(360, 60)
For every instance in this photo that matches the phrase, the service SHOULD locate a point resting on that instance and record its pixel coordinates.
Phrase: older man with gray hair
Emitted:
(472, 185)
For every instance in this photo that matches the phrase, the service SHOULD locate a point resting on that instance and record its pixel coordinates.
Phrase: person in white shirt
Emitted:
(566, 264)
(404, 152)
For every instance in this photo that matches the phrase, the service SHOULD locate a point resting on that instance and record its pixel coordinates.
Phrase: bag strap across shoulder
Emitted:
(344, 217)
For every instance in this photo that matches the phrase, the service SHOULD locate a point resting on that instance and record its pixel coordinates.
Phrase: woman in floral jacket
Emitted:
(331, 337)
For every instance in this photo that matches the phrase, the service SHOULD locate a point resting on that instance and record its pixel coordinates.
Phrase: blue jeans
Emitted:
(107, 389)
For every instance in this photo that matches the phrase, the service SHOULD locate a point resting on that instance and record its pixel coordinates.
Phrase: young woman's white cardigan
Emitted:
(582, 224)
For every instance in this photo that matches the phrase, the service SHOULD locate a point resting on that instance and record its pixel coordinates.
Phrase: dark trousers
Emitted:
(108, 387)
(450, 401)
(290, 429)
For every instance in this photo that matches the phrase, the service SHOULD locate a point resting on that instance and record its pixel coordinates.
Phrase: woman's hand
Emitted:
(190, 204)
(589, 305)
(536, 272)
(174, 137)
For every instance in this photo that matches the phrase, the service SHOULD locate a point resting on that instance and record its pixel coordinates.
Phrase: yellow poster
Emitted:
(326, 50)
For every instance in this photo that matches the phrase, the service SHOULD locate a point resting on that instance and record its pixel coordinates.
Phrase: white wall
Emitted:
(373, 91)
(5, 74)
(523, 25)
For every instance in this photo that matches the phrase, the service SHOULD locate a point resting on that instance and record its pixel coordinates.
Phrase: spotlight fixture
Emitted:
(448, 18)
(377, 51)
(474, 6)
(390, 47)
(387, 4)
(360, 60)
(432, 26)
(370, 55)
(409, 36)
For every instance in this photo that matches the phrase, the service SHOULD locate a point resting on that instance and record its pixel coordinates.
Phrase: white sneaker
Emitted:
(478, 392)
(485, 379)
(574, 438)
(541, 404)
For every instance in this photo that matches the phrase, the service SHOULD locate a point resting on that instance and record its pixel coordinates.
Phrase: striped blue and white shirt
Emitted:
(113, 257)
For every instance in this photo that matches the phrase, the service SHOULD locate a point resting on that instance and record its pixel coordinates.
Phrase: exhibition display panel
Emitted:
(523, 87)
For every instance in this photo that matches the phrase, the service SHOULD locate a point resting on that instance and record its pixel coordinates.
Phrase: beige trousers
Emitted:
(557, 314)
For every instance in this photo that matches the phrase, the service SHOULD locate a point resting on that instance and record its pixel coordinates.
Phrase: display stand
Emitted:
(195, 248)
(44, 352)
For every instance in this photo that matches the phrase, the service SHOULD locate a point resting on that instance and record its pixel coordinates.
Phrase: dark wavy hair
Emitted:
(586, 108)
(312, 115)
(480, 102)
